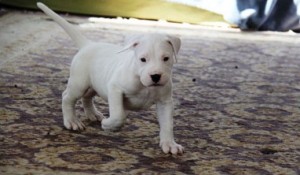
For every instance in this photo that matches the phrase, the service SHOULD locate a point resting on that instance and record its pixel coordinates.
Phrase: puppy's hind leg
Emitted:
(89, 108)
(69, 98)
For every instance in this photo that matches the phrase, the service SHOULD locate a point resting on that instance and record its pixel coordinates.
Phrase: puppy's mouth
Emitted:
(156, 85)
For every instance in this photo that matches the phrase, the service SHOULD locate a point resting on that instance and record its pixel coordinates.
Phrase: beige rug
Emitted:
(237, 99)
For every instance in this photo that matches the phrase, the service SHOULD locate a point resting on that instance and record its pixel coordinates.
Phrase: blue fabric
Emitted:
(277, 15)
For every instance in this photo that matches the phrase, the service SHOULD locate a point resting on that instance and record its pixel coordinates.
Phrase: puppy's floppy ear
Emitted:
(128, 46)
(175, 43)
(130, 42)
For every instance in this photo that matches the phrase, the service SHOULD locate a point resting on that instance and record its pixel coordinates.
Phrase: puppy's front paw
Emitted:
(171, 147)
(109, 124)
(74, 124)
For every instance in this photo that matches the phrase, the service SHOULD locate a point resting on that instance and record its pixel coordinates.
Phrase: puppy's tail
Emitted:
(76, 36)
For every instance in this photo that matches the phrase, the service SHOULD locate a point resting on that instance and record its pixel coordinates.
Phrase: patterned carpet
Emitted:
(237, 109)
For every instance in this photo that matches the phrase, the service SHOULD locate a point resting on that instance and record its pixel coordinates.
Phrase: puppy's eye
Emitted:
(143, 59)
(166, 58)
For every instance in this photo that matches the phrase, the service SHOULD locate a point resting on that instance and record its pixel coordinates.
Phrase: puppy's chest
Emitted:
(141, 100)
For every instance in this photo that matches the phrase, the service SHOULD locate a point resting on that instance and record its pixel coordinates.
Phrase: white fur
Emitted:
(120, 76)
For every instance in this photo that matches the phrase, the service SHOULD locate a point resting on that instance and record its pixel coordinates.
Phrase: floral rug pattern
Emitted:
(237, 111)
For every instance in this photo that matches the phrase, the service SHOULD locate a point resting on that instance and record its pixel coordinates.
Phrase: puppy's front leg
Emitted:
(165, 117)
(117, 114)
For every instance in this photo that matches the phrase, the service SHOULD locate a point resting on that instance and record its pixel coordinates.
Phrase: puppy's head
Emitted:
(155, 55)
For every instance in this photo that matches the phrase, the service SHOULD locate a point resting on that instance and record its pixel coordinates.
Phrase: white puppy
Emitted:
(133, 77)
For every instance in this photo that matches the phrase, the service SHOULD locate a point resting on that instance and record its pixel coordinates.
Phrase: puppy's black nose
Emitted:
(155, 78)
